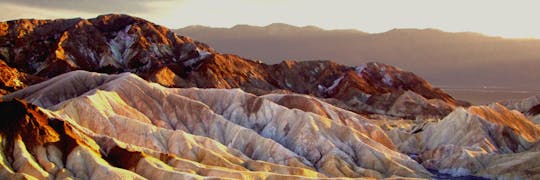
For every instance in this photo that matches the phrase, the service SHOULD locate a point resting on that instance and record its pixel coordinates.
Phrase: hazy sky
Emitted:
(518, 18)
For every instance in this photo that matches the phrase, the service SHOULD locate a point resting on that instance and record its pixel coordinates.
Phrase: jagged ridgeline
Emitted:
(120, 97)
(34, 50)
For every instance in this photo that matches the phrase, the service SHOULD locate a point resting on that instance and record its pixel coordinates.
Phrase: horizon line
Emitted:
(359, 30)
(362, 31)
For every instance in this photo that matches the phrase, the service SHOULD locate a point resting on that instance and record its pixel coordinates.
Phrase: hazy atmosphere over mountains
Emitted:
(447, 59)
(117, 96)
(165, 105)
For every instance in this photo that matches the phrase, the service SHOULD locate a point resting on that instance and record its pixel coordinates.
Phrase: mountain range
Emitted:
(454, 60)
(119, 97)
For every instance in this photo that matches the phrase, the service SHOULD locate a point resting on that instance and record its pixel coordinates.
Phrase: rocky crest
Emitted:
(449, 58)
(144, 103)
(108, 43)
(120, 43)
(220, 132)
(129, 127)
(10, 80)
(474, 141)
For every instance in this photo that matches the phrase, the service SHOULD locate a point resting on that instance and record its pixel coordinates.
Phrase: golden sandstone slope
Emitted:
(171, 107)
(220, 129)
(230, 133)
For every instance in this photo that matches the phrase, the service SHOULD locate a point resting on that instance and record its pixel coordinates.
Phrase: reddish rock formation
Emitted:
(223, 131)
(108, 43)
(100, 126)
(22, 120)
(121, 43)
(11, 79)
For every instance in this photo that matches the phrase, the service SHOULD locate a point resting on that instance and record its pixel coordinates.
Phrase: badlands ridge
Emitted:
(118, 97)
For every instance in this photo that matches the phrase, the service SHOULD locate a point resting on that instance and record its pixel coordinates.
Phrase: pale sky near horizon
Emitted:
(514, 19)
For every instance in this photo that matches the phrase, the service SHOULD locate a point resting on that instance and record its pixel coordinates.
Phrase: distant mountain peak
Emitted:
(274, 27)
(283, 27)
(416, 30)
(122, 98)
(196, 27)
(451, 59)
(280, 26)
(118, 43)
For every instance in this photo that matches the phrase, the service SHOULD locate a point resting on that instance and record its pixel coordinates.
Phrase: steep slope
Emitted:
(37, 146)
(41, 145)
(224, 128)
(10, 79)
(529, 106)
(383, 89)
(212, 115)
(108, 43)
(130, 127)
(474, 141)
(377, 88)
(121, 43)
